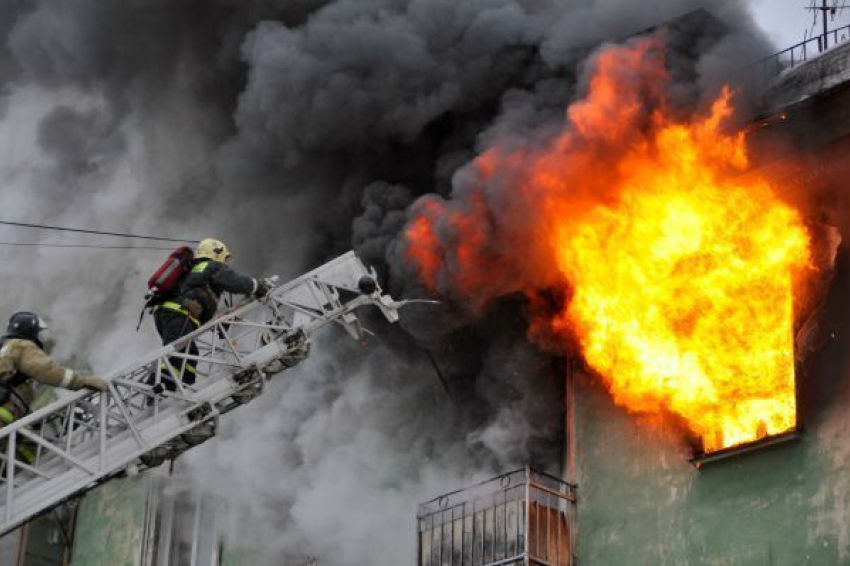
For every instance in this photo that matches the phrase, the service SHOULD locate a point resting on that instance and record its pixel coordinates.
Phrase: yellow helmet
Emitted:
(210, 248)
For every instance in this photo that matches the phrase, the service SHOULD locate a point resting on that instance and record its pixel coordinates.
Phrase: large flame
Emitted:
(679, 270)
(684, 293)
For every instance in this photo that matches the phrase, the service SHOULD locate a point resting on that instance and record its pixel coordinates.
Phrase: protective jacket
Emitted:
(22, 361)
(201, 288)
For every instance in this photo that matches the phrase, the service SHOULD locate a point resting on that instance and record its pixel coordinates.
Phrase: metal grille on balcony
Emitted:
(524, 517)
(797, 54)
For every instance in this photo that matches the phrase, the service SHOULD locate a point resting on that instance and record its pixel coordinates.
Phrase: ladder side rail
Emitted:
(63, 410)
(124, 423)
(89, 478)
(95, 446)
(72, 481)
(332, 270)
(123, 395)
(228, 318)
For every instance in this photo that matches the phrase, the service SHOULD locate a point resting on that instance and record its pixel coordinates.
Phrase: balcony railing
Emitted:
(801, 52)
(523, 517)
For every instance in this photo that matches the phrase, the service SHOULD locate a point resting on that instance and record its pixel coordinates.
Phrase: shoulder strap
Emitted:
(142, 316)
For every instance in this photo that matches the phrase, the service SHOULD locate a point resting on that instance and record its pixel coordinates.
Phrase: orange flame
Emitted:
(679, 270)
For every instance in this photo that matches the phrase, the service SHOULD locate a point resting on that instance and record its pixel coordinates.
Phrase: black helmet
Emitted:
(367, 285)
(25, 325)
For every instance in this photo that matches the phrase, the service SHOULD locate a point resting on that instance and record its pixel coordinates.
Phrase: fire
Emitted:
(679, 272)
(684, 298)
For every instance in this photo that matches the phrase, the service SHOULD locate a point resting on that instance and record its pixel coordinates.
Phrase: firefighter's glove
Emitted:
(261, 290)
(91, 382)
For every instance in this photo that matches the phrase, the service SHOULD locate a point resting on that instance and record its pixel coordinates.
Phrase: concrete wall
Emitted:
(822, 73)
(642, 503)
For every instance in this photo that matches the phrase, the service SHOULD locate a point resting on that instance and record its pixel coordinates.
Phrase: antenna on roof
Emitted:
(824, 9)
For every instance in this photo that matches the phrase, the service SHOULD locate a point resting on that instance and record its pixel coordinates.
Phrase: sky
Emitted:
(786, 21)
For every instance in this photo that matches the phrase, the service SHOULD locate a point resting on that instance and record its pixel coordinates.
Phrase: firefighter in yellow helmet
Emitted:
(196, 301)
(23, 360)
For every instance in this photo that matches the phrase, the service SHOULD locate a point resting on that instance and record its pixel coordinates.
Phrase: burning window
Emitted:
(707, 331)
(680, 264)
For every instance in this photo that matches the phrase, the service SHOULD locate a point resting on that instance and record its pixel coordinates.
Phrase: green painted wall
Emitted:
(642, 503)
(232, 556)
(110, 524)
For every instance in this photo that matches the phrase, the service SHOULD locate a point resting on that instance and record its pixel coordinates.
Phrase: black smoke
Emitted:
(294, 131)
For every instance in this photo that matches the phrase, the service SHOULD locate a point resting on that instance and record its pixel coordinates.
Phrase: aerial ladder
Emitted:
(87, 437)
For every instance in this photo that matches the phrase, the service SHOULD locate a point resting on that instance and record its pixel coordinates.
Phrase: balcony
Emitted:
(524, 517)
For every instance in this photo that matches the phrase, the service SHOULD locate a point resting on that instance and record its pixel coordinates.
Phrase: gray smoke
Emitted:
(295, 131)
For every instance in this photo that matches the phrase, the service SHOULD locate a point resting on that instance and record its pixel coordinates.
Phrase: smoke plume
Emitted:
(295, 131)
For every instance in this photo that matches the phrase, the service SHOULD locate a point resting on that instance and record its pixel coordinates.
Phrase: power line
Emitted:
(98, 232)
(90, 246)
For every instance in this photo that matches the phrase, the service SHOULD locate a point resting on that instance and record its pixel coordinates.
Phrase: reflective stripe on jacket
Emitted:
(172, 306)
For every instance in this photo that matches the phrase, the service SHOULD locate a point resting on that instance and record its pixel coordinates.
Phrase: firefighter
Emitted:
(196, 302)
(23, 359)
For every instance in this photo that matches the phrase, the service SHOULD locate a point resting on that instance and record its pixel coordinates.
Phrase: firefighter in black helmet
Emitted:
(196, 303)
(23, 360)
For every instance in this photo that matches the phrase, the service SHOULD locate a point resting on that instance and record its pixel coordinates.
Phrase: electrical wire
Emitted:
(98, 232)
(89, 246)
